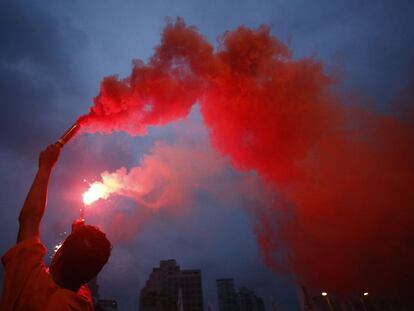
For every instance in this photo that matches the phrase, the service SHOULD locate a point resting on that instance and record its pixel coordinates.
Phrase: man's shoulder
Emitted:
(27, 250)
(27, 281)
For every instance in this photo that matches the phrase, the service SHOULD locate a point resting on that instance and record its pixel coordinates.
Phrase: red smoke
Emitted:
(163, 179)
(154, 94)
(344, 176)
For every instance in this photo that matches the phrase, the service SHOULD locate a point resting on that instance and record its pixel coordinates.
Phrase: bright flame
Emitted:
(117, 183)
(95, 192)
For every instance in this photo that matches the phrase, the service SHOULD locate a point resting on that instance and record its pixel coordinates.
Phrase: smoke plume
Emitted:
(343, 175)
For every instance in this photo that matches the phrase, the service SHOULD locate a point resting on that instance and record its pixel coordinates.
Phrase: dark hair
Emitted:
(84, 253)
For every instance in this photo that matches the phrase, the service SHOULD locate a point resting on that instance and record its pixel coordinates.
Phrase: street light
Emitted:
(325, 294)
(365, 294)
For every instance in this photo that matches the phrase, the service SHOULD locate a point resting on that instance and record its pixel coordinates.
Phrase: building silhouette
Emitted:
(227, 295)
(248, 301)
(168, 287)
(231, 300)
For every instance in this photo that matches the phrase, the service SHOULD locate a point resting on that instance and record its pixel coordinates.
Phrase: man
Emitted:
(28, 284)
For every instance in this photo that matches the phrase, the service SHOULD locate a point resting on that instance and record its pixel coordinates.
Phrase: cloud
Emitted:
(35, 70)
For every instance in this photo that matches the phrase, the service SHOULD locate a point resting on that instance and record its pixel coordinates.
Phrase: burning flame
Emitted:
(95, 192)
(118, 183)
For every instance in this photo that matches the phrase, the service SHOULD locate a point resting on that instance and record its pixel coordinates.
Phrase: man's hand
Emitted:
(49, 156)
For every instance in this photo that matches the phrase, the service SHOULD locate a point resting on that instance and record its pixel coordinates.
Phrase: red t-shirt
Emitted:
(29, 286)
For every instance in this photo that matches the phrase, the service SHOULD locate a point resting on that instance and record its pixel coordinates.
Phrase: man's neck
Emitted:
(62, 284)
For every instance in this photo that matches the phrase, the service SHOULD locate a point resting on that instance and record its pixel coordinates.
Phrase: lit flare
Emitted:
(95, 192)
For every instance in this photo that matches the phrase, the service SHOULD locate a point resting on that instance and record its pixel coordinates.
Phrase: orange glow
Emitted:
(95, 192)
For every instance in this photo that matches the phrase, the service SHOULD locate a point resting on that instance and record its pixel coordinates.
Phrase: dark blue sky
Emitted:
(53, 55)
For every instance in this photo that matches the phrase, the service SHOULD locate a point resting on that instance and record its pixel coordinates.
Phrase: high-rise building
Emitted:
(231, 300)
(168, 285)
(227, 295)
(248, 301)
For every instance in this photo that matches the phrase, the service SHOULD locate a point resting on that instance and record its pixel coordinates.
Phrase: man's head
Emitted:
(80, 258)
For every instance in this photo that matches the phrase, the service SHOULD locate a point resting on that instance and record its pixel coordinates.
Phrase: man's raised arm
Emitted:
(34, 206)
